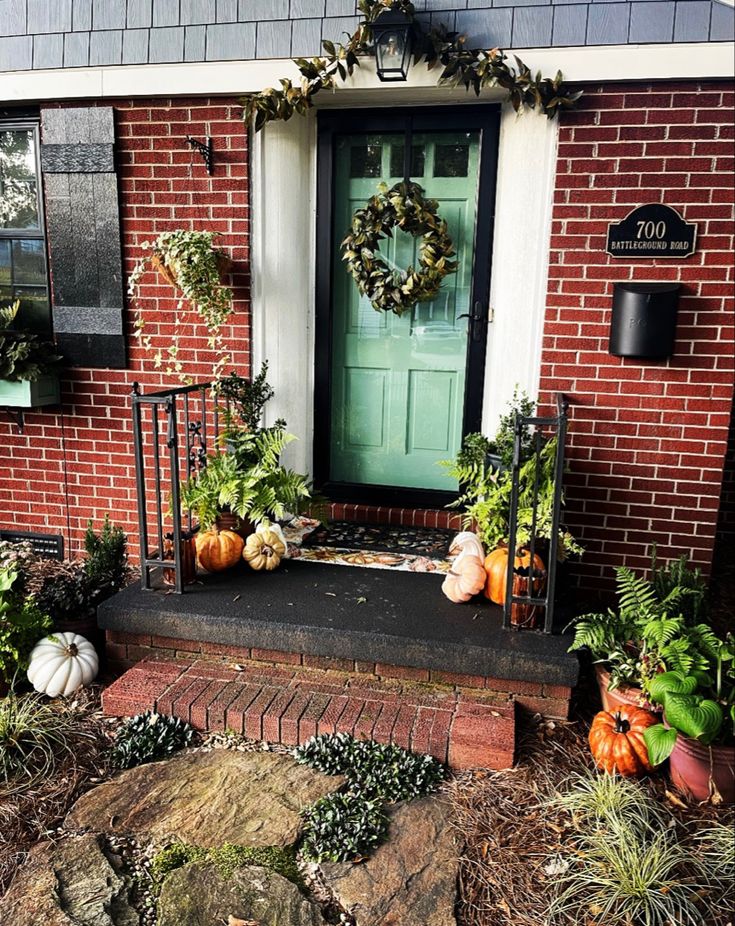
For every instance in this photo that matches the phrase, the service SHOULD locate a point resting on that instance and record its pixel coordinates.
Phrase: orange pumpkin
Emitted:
(465, 579)
(496, 568)
(616, 740)
(218, 550)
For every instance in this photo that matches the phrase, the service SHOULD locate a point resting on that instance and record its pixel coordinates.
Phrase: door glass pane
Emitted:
(18, 182)
(4, 262)
(398, 383)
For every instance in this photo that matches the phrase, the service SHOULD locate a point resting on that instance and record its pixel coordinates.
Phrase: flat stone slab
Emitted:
(199, 894)
(67, 883)
(411, 880)
(206, 798)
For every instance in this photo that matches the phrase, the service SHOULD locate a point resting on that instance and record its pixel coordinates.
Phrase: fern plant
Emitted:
(486, 491)
(647, 634)
(247, 479)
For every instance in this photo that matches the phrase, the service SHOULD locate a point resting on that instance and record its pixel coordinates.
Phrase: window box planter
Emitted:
(24, 394)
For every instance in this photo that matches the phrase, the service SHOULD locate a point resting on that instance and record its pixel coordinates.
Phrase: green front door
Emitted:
(398, 385)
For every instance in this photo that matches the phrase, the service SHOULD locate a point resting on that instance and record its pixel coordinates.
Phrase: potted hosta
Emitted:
(651, 631)
(697, 733)
(188, 261)
(27, 365)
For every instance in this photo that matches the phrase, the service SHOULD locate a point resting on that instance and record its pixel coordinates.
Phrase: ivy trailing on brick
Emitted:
(471, 68)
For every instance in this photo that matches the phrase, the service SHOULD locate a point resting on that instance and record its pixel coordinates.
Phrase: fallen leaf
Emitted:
(236, 921)
(236, 667)
(237, 597)
(331, 594)
(361, 600)
(675, 800)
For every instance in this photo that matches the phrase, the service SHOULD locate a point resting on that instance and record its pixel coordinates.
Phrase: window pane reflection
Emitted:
(18, 184)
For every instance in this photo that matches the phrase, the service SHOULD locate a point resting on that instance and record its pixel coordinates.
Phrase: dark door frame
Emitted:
(486, 120)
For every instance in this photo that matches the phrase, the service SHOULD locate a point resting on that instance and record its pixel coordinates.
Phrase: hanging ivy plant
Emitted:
(402, 206)
(189, 262)
(471, 68)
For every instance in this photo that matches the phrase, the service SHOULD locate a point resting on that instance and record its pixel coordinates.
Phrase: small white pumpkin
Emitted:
(61, 663)
(467, 542)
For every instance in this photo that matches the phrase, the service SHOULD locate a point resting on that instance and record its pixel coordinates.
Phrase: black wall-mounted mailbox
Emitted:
(644, 320)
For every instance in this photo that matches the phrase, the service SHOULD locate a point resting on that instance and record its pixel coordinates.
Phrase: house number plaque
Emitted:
(653, 230)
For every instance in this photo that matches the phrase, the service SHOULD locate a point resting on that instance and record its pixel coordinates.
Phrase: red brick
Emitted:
(253, 718)
(348, 717)
(421, 733)
(237, 706)
(181, 707)
(309, 720)
(330, 718)
(273, 713)
(456, 678)
(557, 708)
(291, 717)
(272, 655)
(383, 729)
(328, 662)
(198, 714)
(407, 672)
(403, 726)
(217, 710)
(366, 721)
(439, 739)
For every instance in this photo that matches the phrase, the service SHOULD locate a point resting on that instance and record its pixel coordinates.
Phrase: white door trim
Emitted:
(284, 241)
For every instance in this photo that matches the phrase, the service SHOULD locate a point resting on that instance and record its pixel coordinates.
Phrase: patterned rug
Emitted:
(344, 543)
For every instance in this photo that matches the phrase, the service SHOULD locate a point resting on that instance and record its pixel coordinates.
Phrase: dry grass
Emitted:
(511, 833)
(34, 815)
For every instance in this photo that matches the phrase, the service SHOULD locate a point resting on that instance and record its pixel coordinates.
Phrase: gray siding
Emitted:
(74, 33)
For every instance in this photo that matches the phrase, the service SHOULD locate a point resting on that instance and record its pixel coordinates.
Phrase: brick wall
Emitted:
(77, 463)
(647, 440)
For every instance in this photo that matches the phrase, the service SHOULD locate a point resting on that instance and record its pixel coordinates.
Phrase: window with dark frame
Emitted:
(23, 268)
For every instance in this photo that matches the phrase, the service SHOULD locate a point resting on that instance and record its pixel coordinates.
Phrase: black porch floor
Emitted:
(400, 618)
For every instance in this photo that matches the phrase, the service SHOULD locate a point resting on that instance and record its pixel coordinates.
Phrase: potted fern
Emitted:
(653, 630)
(27, 365)
(246, 480)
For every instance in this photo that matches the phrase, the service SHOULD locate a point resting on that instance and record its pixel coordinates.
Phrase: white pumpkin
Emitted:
(467, 542)
(61, 663)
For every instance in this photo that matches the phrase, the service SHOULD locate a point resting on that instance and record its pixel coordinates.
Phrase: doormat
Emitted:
(343, 543)
(382, 538)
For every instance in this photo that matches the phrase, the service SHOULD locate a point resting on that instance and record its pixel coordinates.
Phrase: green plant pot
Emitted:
(24, 394)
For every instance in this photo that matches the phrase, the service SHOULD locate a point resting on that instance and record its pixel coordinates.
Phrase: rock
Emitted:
(67, 883)
(200, 895)
(411, 880)
(206, 798)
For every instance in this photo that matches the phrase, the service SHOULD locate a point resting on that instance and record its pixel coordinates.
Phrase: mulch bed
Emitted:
(509, 833)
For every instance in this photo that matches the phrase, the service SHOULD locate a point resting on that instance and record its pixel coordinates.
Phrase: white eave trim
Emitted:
(589, 64)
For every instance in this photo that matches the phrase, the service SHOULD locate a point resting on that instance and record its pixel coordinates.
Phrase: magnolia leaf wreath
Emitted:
(402, 206)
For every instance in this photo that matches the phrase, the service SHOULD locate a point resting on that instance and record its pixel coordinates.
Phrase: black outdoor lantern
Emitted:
(393, 41)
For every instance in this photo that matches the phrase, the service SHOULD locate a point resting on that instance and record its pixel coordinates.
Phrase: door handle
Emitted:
(478, 319)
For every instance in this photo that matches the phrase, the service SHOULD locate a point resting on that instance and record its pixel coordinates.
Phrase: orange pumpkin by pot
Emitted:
(218, 550)
(616, 740)
(496, 568)
(465, 579)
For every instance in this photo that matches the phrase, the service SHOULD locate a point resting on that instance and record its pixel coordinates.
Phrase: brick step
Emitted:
(287, 706)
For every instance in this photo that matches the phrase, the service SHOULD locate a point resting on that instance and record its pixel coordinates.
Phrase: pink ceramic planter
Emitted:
(612, 700)
(699, 771)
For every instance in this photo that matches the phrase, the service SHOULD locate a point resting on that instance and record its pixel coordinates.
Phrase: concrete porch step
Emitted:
(287, 706)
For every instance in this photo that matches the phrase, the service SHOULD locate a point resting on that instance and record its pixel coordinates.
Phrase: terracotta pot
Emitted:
(227, 521)
(188, 562)
(612, 700)
(224, 266)
(700, 772)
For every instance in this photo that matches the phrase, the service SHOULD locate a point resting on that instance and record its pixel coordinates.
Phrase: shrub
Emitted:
(106, 565)
(147, 737)
(377, 771)
(33, 733)
(22, 624)
(342, 827)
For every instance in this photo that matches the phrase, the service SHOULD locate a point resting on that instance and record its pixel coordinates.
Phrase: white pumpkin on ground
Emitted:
(61, 663)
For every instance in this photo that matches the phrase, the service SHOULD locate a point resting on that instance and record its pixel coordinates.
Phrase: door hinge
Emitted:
(490, 315)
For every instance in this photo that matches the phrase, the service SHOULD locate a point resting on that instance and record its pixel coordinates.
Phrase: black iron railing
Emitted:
(528, 588)
(161, 458)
